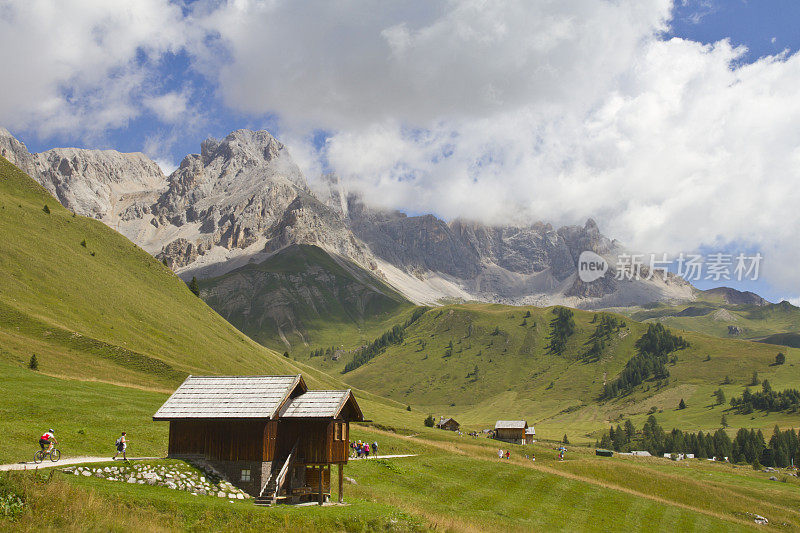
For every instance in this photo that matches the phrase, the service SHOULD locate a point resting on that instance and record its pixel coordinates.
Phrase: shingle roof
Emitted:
(316, 404)
(229, 397)
(511, 424)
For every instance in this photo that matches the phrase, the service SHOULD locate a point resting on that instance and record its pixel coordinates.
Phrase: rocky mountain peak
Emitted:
(243, 198)
(257, 147)
(89, 182)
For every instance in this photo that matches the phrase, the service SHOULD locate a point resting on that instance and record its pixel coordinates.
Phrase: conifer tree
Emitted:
(194, 286)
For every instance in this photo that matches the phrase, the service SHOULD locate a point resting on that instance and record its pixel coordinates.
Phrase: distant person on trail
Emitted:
(375, 448)
(122, 445)
(366, 450)
(500, 453)
(48, 439)
(508, 454)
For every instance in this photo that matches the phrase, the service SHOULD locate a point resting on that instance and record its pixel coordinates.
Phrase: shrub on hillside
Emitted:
(33, 364)
(430, 421)
(194, 286)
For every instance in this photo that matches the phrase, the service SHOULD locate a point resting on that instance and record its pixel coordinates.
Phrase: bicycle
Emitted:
(55, 455)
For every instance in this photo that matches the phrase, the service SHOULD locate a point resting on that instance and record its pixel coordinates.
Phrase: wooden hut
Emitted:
(530, 435)
(269, 435)
(512, 431)
(449, 424)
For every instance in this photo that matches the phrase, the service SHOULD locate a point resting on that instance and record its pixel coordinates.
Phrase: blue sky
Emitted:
(765, 27)
(520, 112)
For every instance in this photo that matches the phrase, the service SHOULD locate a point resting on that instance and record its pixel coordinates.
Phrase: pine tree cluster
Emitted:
(767, 400)
(375, 348)
(606, 326)
(748, 446)
(650, 360)
(561, 327)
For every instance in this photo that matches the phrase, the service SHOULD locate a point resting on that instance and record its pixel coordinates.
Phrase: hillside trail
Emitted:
(68, 461)
(478, 452)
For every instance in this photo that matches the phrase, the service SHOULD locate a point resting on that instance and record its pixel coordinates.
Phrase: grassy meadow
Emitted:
(452, 484)
(114, 332)
(484, 362)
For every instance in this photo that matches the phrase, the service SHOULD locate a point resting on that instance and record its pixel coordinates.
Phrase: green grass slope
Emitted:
(711, 314)
(88, 302)
(453, 484)
(302, 295)
(500, 367)
(102, 315)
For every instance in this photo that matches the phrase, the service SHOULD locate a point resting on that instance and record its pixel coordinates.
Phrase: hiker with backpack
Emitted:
(121, 445)
(374, 448)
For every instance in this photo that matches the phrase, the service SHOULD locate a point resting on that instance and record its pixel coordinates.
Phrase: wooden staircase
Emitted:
(270, 494)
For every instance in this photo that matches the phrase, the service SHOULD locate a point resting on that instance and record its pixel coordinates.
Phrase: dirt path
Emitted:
(47, 463)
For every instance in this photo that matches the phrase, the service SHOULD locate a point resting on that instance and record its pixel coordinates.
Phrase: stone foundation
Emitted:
(232, 471)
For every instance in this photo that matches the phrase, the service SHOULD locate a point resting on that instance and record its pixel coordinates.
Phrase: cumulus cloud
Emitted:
(515, 112)
(349, 65)
(81, 66)
(509, 111)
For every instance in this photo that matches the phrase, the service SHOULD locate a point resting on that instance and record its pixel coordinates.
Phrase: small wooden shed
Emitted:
(512, 431)
(269, 435)
(530, 435)
(449, 424)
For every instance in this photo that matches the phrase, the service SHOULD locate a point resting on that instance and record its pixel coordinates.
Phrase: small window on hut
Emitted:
(245, 475)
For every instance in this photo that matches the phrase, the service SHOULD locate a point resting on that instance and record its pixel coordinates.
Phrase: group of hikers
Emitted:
(361, 450)
(48, 441)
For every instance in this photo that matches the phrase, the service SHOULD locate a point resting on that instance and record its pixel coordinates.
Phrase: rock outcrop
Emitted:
(89, 182)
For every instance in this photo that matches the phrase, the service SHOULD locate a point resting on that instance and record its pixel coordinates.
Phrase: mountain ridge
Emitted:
(242, 198)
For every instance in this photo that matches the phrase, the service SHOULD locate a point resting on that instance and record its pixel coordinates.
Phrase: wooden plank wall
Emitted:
(321, 441)
(508, 433)
(312, 479)
(221, 440)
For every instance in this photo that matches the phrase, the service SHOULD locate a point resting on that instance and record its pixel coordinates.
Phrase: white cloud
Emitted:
(169, 107)
(81, 66)
(501, 111)
(520, 112)
(336, 65)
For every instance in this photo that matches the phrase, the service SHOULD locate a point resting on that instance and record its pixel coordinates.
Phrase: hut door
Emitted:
(270, 436)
